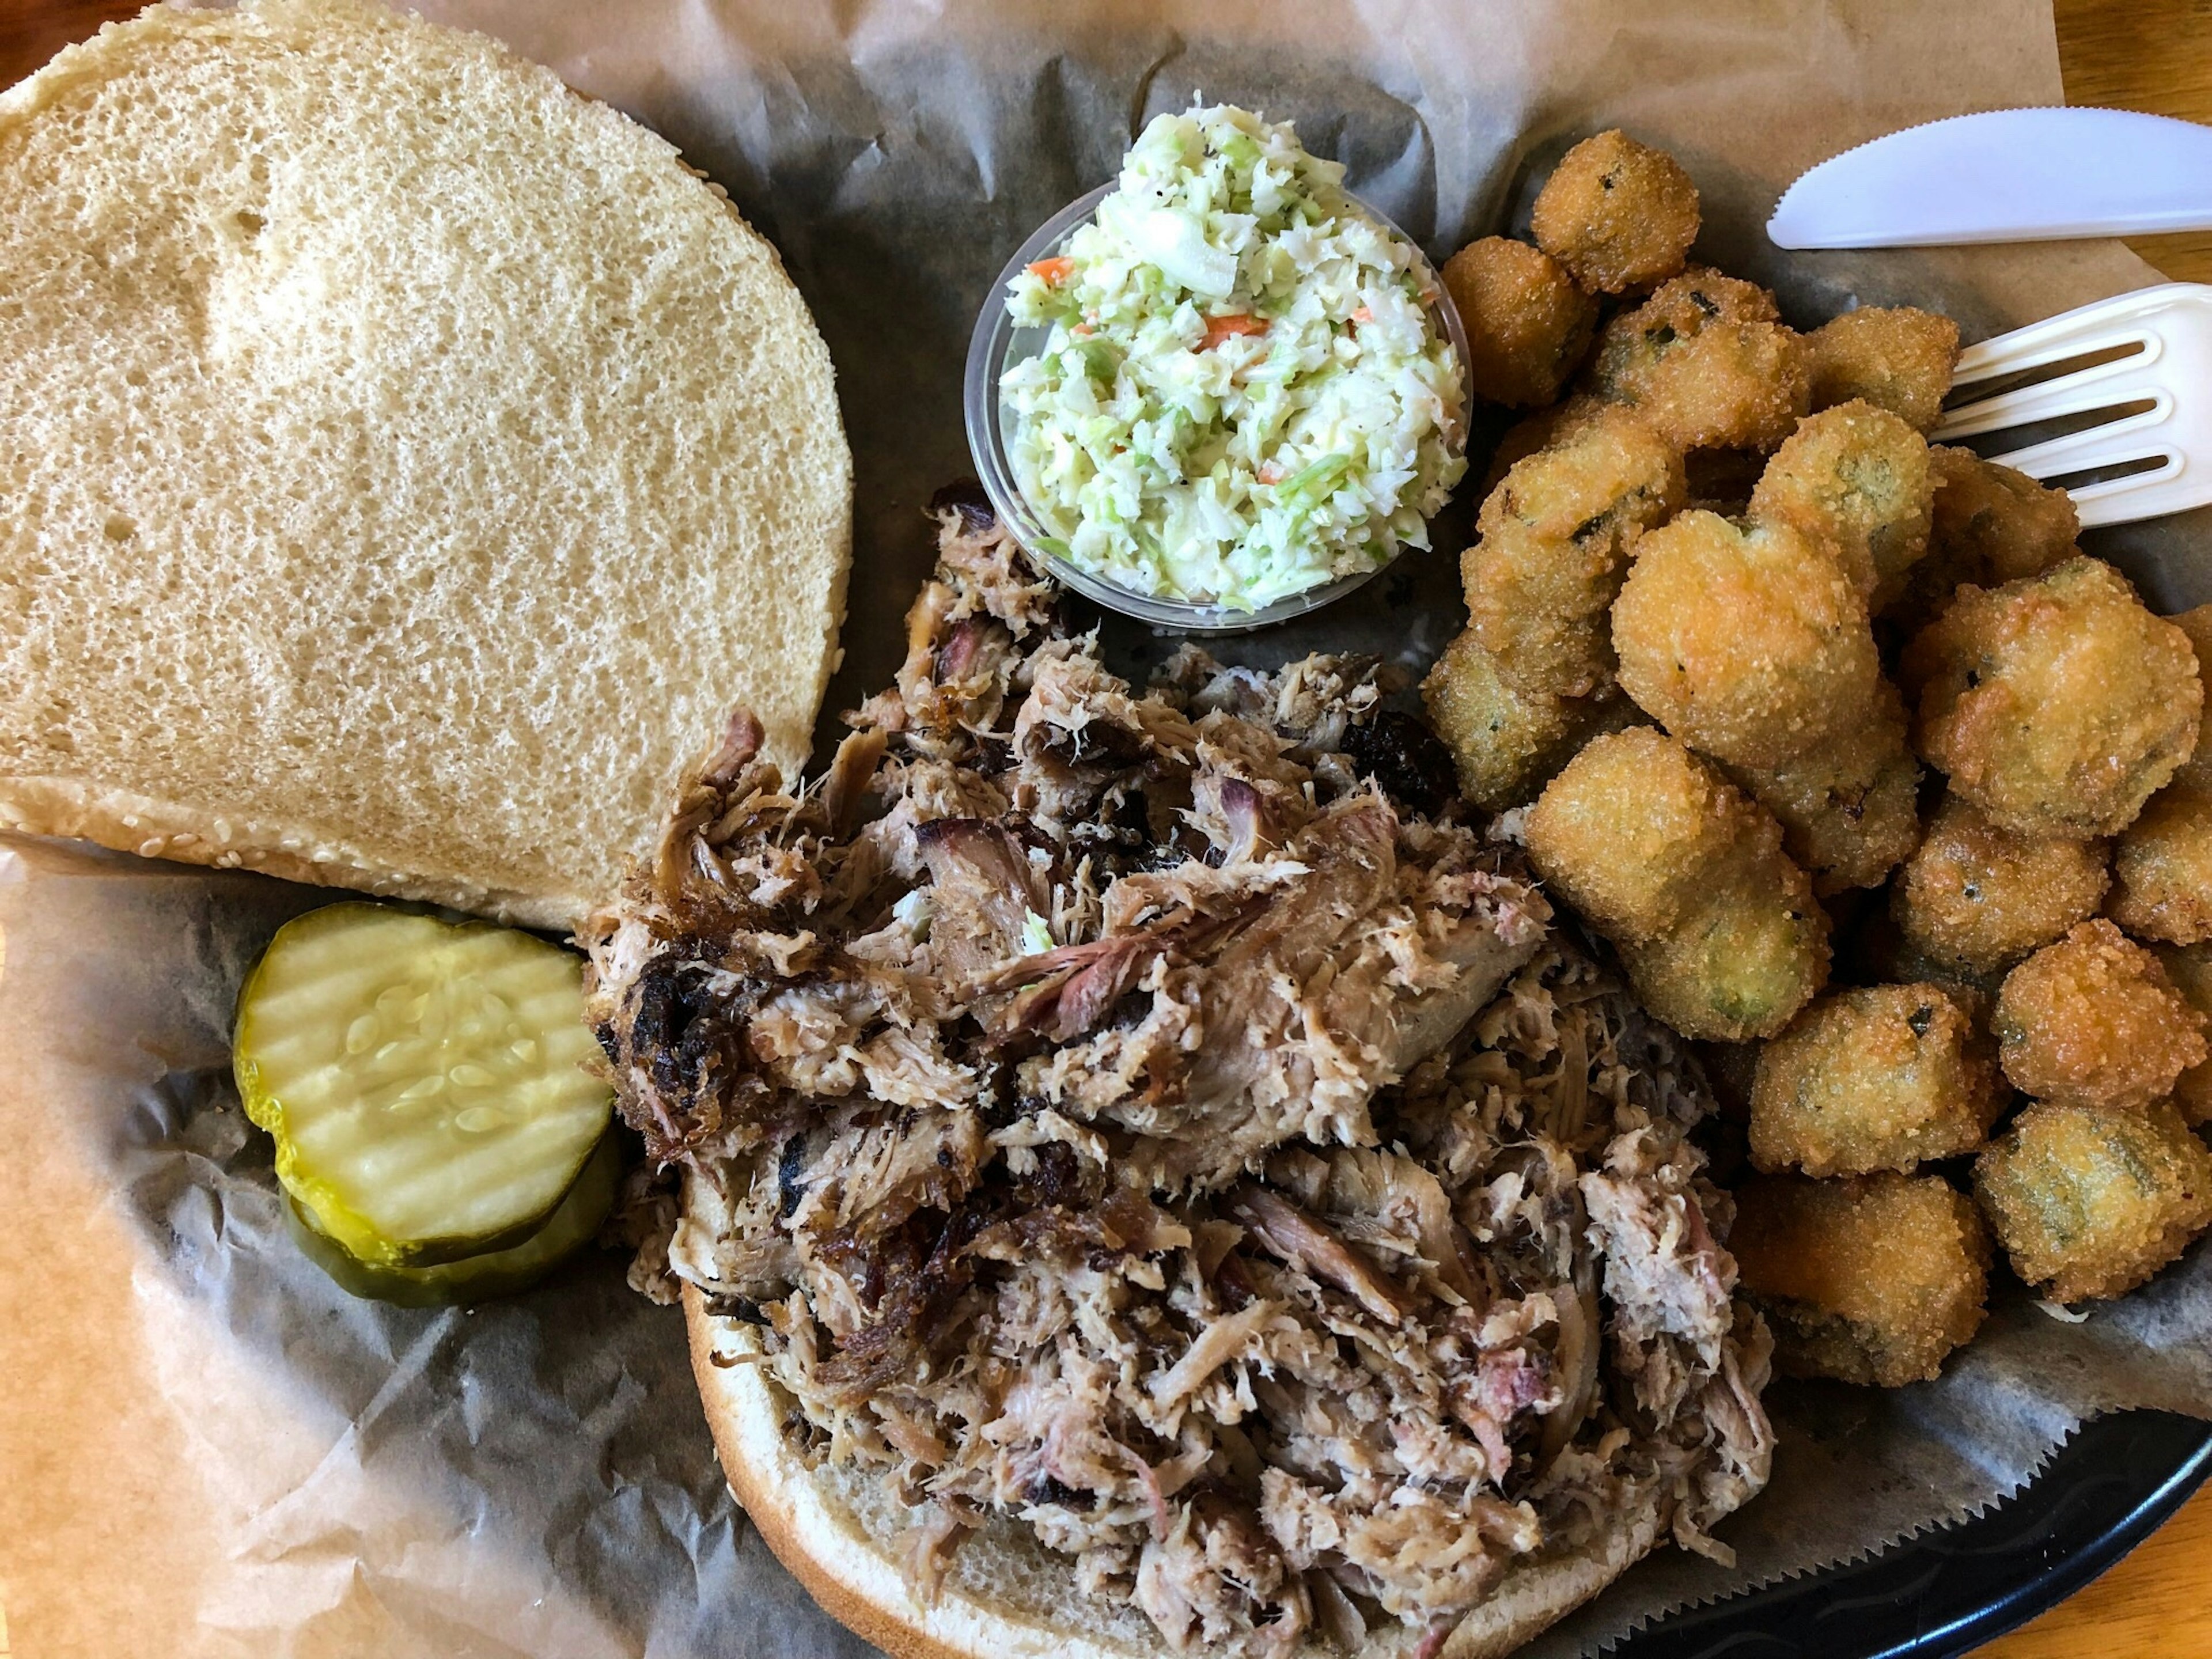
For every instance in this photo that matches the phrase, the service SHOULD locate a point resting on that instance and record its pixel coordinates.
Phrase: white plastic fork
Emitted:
(2170, 368)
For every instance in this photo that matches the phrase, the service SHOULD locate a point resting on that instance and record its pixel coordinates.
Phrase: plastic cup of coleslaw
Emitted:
(1049, 528)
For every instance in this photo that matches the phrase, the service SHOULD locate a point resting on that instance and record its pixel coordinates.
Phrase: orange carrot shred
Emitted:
(1218, 329)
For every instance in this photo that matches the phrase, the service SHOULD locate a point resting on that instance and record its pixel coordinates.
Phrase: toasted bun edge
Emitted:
(865, 1588)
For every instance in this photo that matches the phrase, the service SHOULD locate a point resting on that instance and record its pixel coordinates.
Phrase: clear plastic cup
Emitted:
(998, 342)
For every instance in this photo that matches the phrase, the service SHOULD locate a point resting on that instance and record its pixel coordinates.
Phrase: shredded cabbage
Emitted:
(1241, 393)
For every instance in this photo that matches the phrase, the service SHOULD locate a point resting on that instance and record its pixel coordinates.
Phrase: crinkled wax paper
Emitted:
(205, 1448)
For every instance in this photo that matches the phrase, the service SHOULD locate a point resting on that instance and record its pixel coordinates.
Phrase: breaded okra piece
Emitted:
(1505, 743)
(1528, 327)
(1856, 478)
(1707, 362)
(2057, 705)
(2094, 1021)
(1894, 357)
(1978, 898)
(2089, 1204)
(1618, 214)
(1876, 1278)
(1748, 641)
(1553, 542)
(1880, 1077)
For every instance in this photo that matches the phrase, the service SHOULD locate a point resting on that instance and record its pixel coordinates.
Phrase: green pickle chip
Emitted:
(475, 1278)
(426, 1081)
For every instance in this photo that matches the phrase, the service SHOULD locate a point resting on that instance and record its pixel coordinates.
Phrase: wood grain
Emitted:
(2153, 55)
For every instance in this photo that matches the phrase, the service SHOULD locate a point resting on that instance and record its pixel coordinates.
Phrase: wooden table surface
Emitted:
(2153, 55)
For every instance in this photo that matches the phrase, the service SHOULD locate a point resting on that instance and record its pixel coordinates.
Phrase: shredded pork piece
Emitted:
(1120, 1113)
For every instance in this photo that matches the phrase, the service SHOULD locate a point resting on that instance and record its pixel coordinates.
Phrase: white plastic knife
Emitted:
(2010, 175)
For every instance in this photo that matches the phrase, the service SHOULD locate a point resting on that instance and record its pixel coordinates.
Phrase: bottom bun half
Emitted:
(841, 1531)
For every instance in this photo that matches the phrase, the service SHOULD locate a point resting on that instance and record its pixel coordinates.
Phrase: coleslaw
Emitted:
(1241, 391)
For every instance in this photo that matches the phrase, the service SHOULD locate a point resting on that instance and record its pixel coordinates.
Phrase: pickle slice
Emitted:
(473, 1279)
(425, 1080)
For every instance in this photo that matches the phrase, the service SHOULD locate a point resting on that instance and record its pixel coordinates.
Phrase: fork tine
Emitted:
(2170, 326)
(2117, 501)
(2117, 321)
(2079, 394)
(2109, 445)
(2022, 350)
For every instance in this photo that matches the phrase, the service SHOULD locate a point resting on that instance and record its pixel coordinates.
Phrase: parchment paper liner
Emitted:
(206, 1449)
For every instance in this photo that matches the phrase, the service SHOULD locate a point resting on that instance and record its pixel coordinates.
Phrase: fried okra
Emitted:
(1632, 829)
(2094, 1021)
(1705, 360)
(1856, 478)
(1719, 931)
(1553, 539)
(1544, 429)
(1849, 806)
(1871, 1279)
(1749, 953)
(2058, 705)
(1979, 897)
(1618, 214)
(1987, 525)
(1894, 357)
(1506, 744)
(1748, 642)
(2162, 869)
(1528, 327)
(2089, 1204)
(2189, 967)
(1879, 1078)
(2196, 772)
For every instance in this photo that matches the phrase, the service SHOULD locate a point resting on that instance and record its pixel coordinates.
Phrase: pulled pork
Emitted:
(1142, 1115)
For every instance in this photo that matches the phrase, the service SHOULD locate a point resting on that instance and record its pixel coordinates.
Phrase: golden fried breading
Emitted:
(1632, 829)
(2094, 1021)
(1749, 953)
(2001, 522)
(1504, 743)
(1849, 806)
(1541, 430)
(1879, 1078)
(1749, 642)
(1979, 898)
(1701, 297)
(2196, 772)
(1553, 539)
(1856, 478)
(1617, 214)
(2090, 1204)
(1527, 326)
(2162, 869)
(2189, 967)
(1872, 1279)
(1704, 361)
(1892, 356)
(2058, 705)
(1987, 525)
